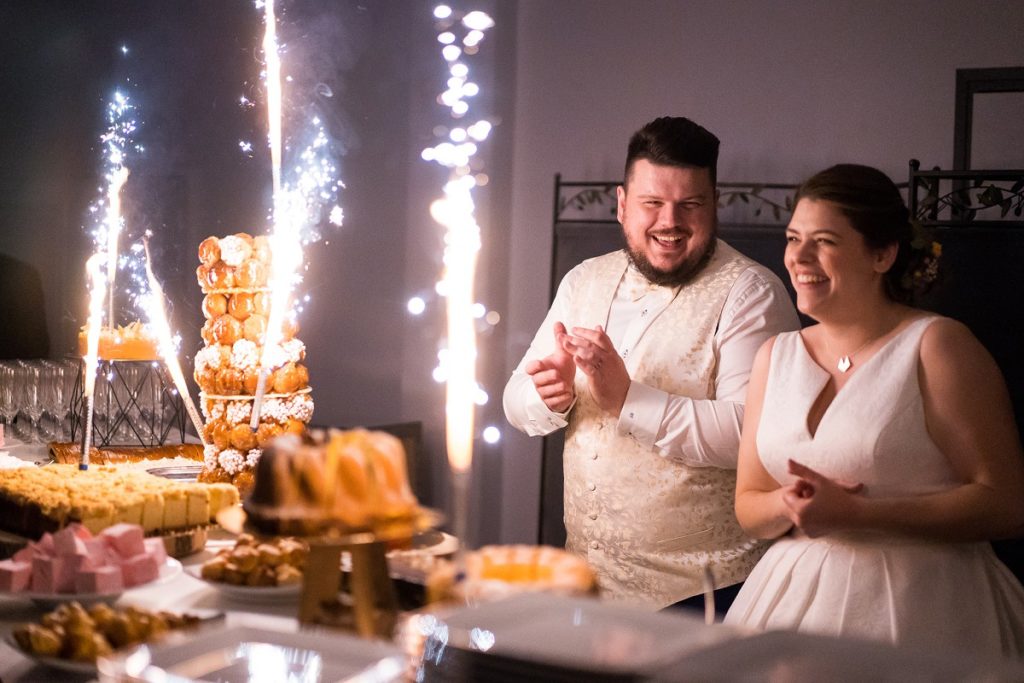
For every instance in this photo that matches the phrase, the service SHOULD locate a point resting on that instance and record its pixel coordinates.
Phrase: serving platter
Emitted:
(170, 569)
(253, 594)
(90, 668)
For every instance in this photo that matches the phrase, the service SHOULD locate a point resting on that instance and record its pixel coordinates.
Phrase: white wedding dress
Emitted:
(939, 595)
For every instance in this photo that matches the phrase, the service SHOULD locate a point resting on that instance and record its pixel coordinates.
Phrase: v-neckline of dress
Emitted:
(826, 375)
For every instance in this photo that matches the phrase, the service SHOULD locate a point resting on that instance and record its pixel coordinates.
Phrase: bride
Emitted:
(879, 446)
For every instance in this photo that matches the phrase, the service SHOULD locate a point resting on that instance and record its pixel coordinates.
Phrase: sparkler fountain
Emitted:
(462, 244)
(158, 319)
(115, 140)
(294, 208)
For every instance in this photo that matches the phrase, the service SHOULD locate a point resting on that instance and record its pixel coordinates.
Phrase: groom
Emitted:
(644, 357)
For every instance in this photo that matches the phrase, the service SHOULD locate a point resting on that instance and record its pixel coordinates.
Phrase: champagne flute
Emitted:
(55, 398)
(8, 399)
(28, 397)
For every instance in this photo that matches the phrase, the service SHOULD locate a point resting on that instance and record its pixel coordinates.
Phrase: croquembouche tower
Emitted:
(233, 274)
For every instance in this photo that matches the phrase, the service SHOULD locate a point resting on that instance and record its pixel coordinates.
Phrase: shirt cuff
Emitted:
(642, 414)
(541, 420)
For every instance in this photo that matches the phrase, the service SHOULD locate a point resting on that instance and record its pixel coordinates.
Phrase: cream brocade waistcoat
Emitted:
(647, 524)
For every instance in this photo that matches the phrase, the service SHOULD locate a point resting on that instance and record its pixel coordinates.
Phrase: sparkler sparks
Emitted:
(462, 239)
(298, 201)
(154, 304)
(106, 213)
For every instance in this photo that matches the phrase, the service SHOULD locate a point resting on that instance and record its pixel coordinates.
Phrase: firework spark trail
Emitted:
(116, 142)
(157, 312)
(455, 211)
(296, 210)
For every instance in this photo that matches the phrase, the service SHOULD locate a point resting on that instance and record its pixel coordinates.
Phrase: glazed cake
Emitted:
(133, 341)
(233, 274)
(352, 480)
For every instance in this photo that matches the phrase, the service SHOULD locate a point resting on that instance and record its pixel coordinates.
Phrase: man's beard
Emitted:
(681, 274)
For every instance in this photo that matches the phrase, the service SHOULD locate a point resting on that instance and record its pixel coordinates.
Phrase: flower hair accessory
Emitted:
(923, 269)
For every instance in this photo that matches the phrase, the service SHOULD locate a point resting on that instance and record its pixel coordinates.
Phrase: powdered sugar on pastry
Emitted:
(234, 250)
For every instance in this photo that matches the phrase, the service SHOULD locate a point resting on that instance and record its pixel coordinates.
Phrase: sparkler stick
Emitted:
(97, 293)
(158, 320)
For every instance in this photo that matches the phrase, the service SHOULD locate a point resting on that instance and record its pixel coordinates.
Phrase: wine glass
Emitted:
(54, 397)
(28, 396)
(8, 399)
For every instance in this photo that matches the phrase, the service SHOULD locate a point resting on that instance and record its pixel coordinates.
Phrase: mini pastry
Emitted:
(250, 380)
(227, 330)
(261, 303)
(218, 432)
(209, 251)
(267, 431)
(215, 305)
(287, 379)
(228, 382)
(241, 305)
(251, 273)
(255, 328)
(203, 276)
(243, 438)
(220, 276)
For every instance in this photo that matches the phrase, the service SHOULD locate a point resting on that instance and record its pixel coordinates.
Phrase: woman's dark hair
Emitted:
(874, 206)
(674, 141)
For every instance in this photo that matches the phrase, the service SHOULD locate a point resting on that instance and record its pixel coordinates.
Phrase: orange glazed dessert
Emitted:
(497, 571)
(133, 341)
(233, 274)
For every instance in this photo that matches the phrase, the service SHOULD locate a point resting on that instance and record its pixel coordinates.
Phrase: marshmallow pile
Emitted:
(72, 560)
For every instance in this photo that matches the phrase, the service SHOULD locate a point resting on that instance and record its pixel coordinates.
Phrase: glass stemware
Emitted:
(8, 400)
(28, 401)
(54, 395)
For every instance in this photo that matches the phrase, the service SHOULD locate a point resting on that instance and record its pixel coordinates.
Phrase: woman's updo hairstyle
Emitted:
(874, 206)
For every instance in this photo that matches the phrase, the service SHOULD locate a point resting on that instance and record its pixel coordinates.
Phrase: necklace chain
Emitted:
(845, 363)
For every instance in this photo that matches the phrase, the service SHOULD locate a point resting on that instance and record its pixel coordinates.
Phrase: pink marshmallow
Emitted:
(101, 553)
(99, 580)
(125, 538)
(69, 570)
(140, 569)
(44, 574)
(26, 554)
(156, 548)
(67, 542)
(44, 545)
(14, 576)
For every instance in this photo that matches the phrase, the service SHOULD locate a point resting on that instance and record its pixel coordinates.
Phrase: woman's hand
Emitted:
(818, 505)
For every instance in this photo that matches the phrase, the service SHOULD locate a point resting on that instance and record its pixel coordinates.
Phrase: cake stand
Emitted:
(371, 610)
(137, 402)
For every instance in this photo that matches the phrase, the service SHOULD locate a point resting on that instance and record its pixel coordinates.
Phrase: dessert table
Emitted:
(181, 593)
(530, 637)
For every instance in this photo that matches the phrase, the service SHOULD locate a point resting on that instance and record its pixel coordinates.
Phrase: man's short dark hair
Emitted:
(674, 141)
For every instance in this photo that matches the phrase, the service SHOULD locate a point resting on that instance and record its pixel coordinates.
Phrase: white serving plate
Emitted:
(70, 666)
(170, 569)
(87, 668)
(579, 633)
(256, 594)
(240, 654)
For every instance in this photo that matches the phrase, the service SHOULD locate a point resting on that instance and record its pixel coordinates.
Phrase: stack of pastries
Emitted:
(234, 272)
